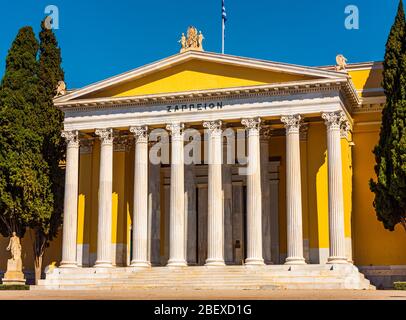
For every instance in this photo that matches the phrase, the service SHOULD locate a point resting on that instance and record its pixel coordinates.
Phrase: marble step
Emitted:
(285, 277)
(284, 286)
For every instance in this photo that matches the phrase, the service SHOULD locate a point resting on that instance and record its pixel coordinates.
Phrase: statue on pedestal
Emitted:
(14, 274)
(15, 247)
(192, 41)
(341, 62)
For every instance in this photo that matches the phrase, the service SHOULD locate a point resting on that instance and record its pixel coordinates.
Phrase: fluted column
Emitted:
(177, 252)
(70, 216)
(140, 215)
(293, 191)
(215, 224)
(104, 254)
(266, 195)
(334, 121)
(254, 195)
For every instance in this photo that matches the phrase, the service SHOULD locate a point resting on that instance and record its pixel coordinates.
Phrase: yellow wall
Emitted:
(196, 75)
(277, 148)
(373, 245)
(366, 79)
(317, 185)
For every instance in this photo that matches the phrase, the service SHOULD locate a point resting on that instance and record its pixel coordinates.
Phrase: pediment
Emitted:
(194, 71)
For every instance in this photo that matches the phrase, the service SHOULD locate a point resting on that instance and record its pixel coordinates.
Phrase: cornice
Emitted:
(308, 86)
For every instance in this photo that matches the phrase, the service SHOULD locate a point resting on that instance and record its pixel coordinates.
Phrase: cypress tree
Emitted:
(50, 120)
(24, 191)
(390, 153)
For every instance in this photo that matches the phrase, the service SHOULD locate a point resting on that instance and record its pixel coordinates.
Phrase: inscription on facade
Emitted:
(194, 106)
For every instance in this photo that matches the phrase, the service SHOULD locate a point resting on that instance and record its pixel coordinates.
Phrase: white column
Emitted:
(215, 222)
(334, 121)
(177, 252)
(140, 214)
(70, 215)
(104, 254)
(293, 191)
(254, 195)
(266, 195)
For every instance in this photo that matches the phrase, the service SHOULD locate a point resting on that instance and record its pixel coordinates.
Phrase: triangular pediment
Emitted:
(194, 71)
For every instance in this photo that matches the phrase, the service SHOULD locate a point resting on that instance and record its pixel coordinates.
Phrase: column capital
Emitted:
(72, 138)
(176, 129)
(140, 133)
(334, 120)
(292, 123)
(106, 135)
(214, 127)
(252, 125)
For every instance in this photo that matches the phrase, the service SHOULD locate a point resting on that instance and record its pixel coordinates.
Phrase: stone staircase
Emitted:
(206, 278)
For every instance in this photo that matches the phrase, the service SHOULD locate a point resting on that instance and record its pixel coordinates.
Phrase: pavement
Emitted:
(173, 294)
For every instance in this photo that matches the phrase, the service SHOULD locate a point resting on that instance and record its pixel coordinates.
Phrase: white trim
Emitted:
(123, 117)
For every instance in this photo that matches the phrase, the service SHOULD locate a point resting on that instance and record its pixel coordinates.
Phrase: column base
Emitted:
(140, 264)
(337, 260)
(254, 262)
(295, 261)
(177, 263)
(215, 263)
(103, 264)
(68, 264)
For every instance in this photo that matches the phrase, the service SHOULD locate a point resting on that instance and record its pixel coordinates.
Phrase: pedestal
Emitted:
(14, 274)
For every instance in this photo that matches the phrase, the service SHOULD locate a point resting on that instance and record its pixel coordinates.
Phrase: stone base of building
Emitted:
(383, 277)
(205, 278)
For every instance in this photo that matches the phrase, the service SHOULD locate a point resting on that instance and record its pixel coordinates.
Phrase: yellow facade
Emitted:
(371, 243)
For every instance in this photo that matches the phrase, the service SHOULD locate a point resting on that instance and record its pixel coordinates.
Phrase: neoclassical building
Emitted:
(295, 212)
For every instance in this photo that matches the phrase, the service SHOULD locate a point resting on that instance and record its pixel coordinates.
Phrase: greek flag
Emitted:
(224, 13)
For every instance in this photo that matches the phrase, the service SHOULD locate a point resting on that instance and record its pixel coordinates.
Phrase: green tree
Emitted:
(50, 124)
(390, 153)
(24, 179)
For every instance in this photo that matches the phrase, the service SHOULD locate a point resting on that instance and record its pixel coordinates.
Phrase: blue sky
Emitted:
(101, 38)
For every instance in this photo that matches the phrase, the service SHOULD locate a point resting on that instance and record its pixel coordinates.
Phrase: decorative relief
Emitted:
(292, 123)
(266, 133)
(176, 129)
(140, 133)
(252, 125)
(86, 146)
(304, 129)
(72, 138)
(214, 127)
(121, 143)
(106, 135)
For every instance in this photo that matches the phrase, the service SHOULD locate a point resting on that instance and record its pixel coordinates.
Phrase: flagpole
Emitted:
(222, 35)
